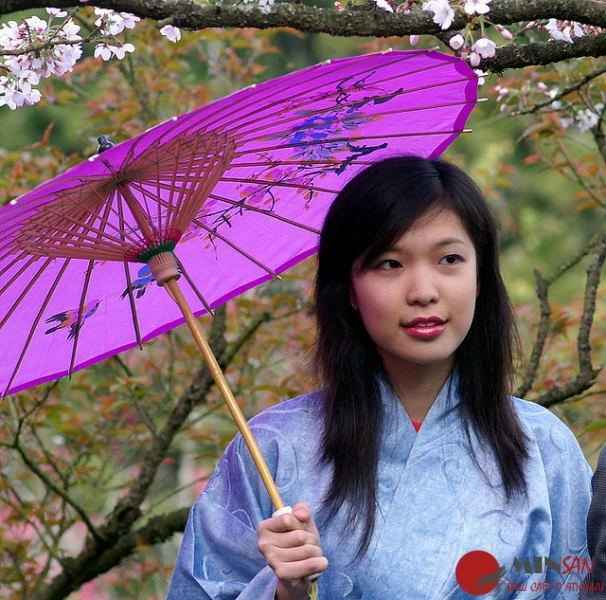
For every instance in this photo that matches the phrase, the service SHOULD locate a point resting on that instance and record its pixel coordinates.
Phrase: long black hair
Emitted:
(365, 220)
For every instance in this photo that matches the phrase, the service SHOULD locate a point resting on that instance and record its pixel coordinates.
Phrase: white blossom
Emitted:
(106, 51)
(25, 70)
(103, 50)
(502, 92)
(114, 23)
(479, 7)
(456, 41)
(384, 5)
(485, 48)
(120, 51)
(481, 76)
(504, 32)
(171, 33)
(577, 29)
(443, 14)
(587, 119)
(557, 104)
(566, 122)
(35, 25)
(11, 36)
(558, 30)
(16, 91)
(414, 40)
(56, 13)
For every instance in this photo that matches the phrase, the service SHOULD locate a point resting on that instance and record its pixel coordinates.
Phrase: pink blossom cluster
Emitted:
(551, 99)
(564, 30)
(38, 49)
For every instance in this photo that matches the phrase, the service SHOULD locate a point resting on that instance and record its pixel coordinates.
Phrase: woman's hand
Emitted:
(291, 546)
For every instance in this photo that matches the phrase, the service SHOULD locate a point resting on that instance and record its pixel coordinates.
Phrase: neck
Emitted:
(417, 386)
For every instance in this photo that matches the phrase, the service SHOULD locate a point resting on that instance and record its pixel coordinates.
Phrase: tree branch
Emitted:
(119, 540)
(563, 93)
(600, 137)
(361, 21)
(368, 21)
(155, 531)
(587, 374)
(119, 523)
(542, 291)
(544, 53)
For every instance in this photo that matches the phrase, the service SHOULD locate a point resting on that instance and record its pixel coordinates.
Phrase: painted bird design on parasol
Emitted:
(71, 319)
(139, 285)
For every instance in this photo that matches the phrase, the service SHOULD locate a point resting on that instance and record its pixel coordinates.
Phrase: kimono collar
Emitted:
(443, 415)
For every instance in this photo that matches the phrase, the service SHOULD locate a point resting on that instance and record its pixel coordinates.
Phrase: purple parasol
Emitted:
(226, 196)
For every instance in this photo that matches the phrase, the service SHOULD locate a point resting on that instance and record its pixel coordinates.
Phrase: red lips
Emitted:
(425, 328)
(425, 321)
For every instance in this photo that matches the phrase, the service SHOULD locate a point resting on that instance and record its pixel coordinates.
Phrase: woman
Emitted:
(413, 456)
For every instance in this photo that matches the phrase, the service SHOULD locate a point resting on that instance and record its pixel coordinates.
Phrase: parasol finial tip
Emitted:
(104, 143)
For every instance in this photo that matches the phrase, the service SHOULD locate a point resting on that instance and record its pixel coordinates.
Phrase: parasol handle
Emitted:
(217, 374)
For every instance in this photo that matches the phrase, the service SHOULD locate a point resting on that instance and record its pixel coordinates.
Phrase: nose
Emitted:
(421, 288)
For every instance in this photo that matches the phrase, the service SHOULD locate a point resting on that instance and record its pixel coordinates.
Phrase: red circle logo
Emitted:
(478, 572)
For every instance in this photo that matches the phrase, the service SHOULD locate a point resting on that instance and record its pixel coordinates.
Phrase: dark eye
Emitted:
(451, 259)
(389, 264)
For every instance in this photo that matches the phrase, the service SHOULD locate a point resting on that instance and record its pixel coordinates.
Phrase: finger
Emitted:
(302, 512)
(297, 571)
(276, 554)
(292, 539)
(281, 524)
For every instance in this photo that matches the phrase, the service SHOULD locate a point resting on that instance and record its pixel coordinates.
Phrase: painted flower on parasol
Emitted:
(223, 198)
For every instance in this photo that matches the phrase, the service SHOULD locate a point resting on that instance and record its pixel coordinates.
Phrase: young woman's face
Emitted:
(417, 300)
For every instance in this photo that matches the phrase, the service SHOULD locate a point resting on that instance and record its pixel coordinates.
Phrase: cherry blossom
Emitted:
(504, 32)
(456, 41)
(25, 70)
(481, 76)
(443, 14)
(17, 91)
(484, 47)
(588, 118)
(479, 7)
(114, 23)
(56, 13)
(558, 31)
(106, 51)
(171, 33)
(502, 91)
(384, 5)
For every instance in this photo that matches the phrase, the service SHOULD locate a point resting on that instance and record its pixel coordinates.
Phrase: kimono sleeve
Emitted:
(219, 558)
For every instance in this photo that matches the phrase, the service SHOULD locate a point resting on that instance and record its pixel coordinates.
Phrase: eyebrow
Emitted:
(445, 242)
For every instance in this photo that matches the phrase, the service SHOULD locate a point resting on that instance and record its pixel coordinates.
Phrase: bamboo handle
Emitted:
(217, 374)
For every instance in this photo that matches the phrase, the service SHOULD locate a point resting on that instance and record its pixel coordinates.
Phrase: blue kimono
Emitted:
(434, 506)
